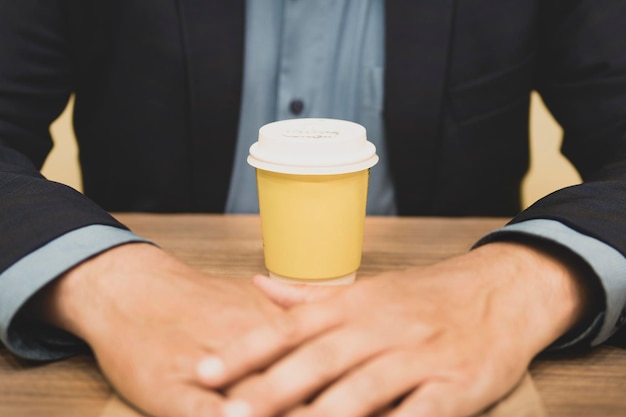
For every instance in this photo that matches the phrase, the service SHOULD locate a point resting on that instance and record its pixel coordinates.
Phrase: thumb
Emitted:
(289, 295)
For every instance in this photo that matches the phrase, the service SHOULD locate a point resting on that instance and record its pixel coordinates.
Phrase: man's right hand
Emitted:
(151, 320)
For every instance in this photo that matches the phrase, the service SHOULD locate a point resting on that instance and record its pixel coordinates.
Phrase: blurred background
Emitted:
(549, 169)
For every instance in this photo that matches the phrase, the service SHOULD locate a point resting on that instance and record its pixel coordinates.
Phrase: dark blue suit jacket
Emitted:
(158, 86)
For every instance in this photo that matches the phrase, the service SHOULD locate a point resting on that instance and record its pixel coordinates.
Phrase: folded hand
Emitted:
(445, 340)
(151, 320)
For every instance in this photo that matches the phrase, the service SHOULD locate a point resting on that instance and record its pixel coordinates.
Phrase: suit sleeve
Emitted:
(581, 75)
(21, 280)
(36, 79)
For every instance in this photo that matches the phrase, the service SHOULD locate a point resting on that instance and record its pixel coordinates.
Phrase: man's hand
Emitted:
(151, 320)
(445, 340)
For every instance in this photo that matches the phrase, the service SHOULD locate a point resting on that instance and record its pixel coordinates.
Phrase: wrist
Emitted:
(75, 302)
(549, 287)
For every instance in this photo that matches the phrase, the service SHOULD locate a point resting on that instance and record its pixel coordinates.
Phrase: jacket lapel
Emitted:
(213, 36)
(418, 37)
(417, 46)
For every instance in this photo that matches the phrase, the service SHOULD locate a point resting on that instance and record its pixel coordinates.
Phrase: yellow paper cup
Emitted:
(312, 177)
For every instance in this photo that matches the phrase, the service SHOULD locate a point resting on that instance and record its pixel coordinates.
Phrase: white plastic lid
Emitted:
(312, 146)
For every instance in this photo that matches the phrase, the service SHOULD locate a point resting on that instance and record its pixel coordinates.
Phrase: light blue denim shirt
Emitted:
(322, 58)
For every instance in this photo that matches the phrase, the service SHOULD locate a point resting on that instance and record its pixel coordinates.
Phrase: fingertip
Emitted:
(210, 370)
(283, 294)
(292, 294)
(260, 279)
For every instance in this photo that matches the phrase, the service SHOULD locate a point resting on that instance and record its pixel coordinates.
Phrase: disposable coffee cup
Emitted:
(312, 178)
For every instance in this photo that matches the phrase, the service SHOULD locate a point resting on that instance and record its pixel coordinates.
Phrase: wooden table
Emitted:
(586, 385)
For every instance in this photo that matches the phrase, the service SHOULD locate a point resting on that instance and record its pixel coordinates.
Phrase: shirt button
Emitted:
(296, 106)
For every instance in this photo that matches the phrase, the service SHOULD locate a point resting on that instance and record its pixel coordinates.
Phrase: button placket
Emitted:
(304, 58)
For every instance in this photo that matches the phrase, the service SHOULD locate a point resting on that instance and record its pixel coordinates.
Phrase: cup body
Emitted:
(312, 225)
(312, 178)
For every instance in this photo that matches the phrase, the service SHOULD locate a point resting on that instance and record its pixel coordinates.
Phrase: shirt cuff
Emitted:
(607, 263)
(24, 278)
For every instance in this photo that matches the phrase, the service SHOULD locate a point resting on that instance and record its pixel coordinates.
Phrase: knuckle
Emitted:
(285, 327)
(363, 387)
(201, 406)
(261, 392)
(325, 360)
(182, 401)
(356, 399)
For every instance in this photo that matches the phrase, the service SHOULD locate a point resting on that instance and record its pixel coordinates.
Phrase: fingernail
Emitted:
(210, 368)
(236, 408)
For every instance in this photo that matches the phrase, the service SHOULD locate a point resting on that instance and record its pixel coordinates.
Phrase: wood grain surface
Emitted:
(583, 385)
